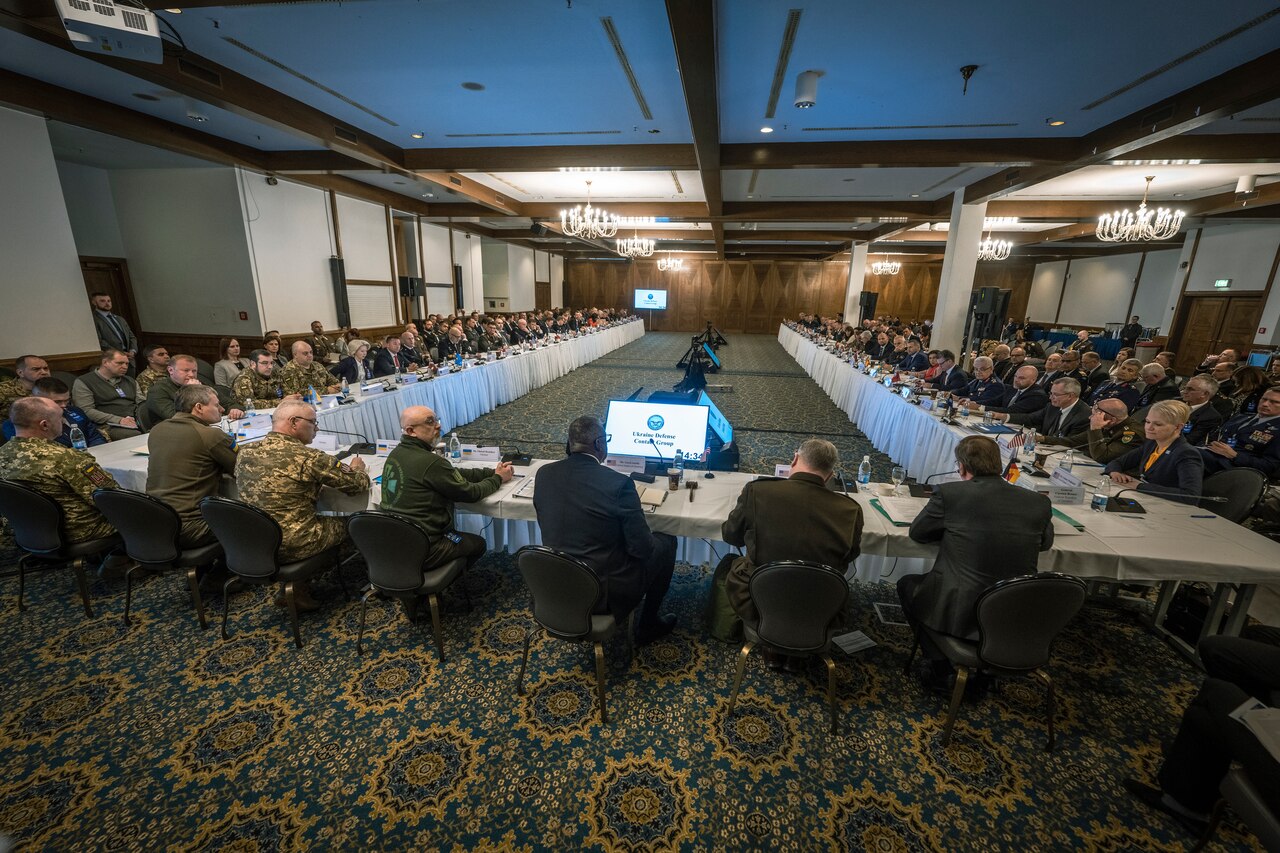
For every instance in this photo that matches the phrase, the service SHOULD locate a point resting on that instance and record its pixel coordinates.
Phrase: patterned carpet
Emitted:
(165, 736)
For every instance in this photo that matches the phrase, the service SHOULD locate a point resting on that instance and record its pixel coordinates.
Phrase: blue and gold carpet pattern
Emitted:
(162, 736)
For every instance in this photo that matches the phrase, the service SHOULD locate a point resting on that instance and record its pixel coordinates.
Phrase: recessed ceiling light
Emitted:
(473, 87)
(766, 129)
(915, 195)
(174, 11)
(418, 135)
(1178, 195)
(1055, 122)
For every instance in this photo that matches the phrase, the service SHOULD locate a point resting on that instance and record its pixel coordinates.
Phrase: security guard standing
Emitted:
(1249, 441)
(422, 486)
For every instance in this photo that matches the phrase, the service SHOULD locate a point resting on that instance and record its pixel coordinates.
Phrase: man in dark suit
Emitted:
(793, 519)
(949, 377)
(1155, 385)
(987, 530)
(113, 330)
(1052, 370)
(1064, 416)
(1206, 420)
(1023, 395)
(1130, 332)
(1094, 373)
(593, 513)
(914, 360)
(390, 359)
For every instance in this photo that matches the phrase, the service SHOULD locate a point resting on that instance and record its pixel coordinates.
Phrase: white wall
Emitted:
(466, 253)
(1046, 290)
(1241, 252)
(363, 234)
(557, 281)
(520, 268)
(92, 210)
(290, 242)
(1159, 276)
(541, 266)
(1098, 290)
(495, 277)
(185, 237)
(41, 274)
(436, 266)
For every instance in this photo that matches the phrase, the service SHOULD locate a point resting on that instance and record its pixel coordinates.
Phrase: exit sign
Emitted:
(1222, 283)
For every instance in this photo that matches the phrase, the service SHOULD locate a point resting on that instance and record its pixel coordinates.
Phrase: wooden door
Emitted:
(111, 276)
(1202, 318)
(542, 295)
(1239, 322)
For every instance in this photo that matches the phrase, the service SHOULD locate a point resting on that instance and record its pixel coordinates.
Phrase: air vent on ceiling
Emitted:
(611, 33)
(1189, 55)
(947, 180)
(532, 133)
(784, 58)
(199, 72)
(456, 181)
(913, 126)
(345, 135)
(310, 81)
(1260, 118)
(1156, 117)
(751, 185)
(675, 179)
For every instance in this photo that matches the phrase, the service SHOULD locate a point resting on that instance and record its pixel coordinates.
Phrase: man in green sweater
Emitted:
(422, 486)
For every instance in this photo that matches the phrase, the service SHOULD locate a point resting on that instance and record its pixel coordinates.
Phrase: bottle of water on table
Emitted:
(1101, 494)
(1068, 461)
(864, 474)
(455, 448)
(77, 439)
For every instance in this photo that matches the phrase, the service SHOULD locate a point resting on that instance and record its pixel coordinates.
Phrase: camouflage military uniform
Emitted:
(296, 379)
(10, 390)
(1104, 445)
(265, 393)
(144, 380)
(322, 347)
(282, 476)
(68, 476)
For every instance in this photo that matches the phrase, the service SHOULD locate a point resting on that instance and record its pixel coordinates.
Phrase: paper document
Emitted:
(901, 511)
(854, 641)
(1264, 722)
(890, 614)
(525, 489)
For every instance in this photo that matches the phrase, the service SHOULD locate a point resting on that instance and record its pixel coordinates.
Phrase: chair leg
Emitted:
(524, 660)
(962, 678)
(1050, 706)
(128, 591)
(604, 713)
(337, 570)
(737, 675)
(631, 637)
(22, 582)
(291, 601)
(1210, 830)
(77, 566)
(193, 581)
(226, 603)
(911, 658)
(831, 691)
(364, 601)
(433, 601)
(466, 595)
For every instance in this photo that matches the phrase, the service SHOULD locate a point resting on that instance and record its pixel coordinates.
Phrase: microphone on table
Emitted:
(661, 458)
(365, 446)
(940, 474)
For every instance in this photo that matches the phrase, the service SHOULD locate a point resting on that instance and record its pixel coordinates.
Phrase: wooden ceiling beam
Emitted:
(1212, 148)
(825, 211)
(903, 153)
(1226, 203)
(476, 192)
(1248, 85)
(693, 30)
(206, 81)
(552, 158)
(676, 211)
(368, 192)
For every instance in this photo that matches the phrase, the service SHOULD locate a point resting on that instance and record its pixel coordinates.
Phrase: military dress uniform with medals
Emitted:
(1122, 391)
(1256, 442)
(67, 476)
(984, 392)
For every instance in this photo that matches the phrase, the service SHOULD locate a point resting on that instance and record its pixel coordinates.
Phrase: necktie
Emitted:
(115, 324)
(1016, 395)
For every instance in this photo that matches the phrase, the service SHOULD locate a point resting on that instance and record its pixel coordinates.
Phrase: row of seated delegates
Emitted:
(56, 390)
(1165, 464)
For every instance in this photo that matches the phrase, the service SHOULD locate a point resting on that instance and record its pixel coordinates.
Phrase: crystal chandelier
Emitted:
(588, 222)
(994, 250)
(670, 264)
(886, 267)
(635, 246)
(1126, 226)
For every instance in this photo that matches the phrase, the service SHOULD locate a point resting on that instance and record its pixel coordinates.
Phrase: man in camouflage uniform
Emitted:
(157, 357)
(323, 348)
(33, 458)
(423, 486)
(160, 405)
(1111, 434)
(304, 373)
(282, 476)
(30, 369)
(258, 384)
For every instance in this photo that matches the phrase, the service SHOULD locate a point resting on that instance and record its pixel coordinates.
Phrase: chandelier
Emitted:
(588, 222)
(670, 264)
(635, 246)
(994, 250)
(886, 267)
(1125, 226)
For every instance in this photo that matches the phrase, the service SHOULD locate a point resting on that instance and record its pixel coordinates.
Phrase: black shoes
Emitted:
(1155, 798)
(656, 630)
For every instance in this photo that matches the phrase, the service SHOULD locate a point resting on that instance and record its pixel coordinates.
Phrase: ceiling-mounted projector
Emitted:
(102, 26)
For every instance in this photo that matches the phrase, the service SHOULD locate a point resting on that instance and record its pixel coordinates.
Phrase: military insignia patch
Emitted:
(93, 471)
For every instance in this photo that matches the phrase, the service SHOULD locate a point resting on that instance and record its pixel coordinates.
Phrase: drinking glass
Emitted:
(899, 476)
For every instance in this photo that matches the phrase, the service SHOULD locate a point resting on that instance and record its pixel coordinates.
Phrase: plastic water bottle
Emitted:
(455, 447)
(1068, 461)
(399, 376)
(1101, 494)
(77, 439)
(248, 405)
(346, 388)
(457, 359)
(1030, 444)
(864, 474)
(677, 462)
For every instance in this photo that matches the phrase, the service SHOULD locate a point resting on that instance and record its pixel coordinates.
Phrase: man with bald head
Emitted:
(28, 370)
(1111, 434)
(34, 459)
(423, 486)
(1052, 370)
(1023, 395)
(303, 373)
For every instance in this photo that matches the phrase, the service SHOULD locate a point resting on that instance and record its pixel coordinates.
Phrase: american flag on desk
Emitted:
(1018, 440)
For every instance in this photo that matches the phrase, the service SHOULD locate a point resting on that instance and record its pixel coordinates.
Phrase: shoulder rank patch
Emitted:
(93, 471)
(457, 476)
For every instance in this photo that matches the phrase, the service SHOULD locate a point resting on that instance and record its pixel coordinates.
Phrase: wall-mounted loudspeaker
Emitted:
(538, 229)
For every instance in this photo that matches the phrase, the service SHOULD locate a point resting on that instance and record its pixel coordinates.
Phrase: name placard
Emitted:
(625, 464)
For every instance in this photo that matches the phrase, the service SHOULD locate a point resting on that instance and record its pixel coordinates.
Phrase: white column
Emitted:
(958, 266)
(853, 287)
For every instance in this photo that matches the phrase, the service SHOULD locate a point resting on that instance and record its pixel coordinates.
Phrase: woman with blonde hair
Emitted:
(1166, 464)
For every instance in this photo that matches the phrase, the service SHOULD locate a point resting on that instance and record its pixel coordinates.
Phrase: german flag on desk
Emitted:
(1011, 471)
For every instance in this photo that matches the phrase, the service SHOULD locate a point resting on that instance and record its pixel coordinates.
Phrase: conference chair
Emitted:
(564, 592)
(150, 528)
(395, 551)
(1239, 792)
(1018, 620)
(251, 538)
(205, 371)
(1240, 489)
(799, 604)
(38, 528)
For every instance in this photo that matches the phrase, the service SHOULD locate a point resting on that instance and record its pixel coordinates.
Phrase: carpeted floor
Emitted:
(165, 736)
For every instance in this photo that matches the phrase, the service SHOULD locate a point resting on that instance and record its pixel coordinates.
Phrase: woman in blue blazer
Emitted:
(1165, 464)
(355, 367)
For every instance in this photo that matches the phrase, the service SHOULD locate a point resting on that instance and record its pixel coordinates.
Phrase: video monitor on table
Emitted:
(654, 299)
(1260, 358)
(711, 354)
(718, 422)
(656, 430)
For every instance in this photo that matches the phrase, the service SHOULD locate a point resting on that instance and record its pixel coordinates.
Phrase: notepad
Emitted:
(899, 511)
(525, 489)
(650, 498)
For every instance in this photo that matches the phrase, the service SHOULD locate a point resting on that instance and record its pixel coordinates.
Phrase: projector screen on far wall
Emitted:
(652, 299)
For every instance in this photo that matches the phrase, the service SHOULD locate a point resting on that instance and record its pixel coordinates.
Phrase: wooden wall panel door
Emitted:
(1239, 322)
(835, 277)
(687, 312)
(756, 311)
(708, 278)
(542, 295)
(1202, 318)
(729, 314)
(111, 276)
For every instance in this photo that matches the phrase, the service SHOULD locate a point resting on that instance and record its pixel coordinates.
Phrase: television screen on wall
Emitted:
(651, 299)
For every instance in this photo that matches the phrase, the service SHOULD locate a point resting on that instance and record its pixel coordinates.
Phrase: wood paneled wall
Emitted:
(754, 296)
